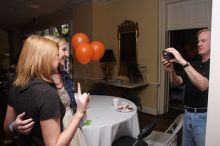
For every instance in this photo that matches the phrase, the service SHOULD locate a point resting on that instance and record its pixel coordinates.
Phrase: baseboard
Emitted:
(148, 110)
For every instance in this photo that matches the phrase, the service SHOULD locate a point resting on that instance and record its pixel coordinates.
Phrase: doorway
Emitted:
(176, 15)
(185, 41)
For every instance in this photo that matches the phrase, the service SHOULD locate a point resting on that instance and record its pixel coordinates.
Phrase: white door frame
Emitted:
(163, 90)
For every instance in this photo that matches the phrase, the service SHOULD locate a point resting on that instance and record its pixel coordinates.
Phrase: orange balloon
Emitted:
(84, 53)
(79, 38)
(98, 49)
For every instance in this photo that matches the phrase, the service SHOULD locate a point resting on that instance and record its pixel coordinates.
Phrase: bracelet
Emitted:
(187, 64)
(11, 127)
(12, 130)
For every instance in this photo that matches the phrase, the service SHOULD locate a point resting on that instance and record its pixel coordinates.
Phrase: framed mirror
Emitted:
(127, 44)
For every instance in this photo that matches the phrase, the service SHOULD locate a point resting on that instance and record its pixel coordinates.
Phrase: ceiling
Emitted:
(17, 12)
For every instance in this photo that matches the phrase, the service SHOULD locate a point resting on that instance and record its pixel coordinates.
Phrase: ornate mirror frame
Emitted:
(128, 33)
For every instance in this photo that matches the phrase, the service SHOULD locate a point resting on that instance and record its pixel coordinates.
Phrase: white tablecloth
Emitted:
(108, 124)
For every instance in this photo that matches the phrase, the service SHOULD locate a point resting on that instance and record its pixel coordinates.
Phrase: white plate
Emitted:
(124, 108)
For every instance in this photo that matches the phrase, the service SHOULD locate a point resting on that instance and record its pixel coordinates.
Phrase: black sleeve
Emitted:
(11, 95)
(49, 105)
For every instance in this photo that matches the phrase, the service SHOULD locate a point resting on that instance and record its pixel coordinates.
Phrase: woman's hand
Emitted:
(56, 78)
(82, 102)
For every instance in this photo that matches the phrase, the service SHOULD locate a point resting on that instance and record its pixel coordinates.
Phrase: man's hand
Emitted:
(23, 126)
(168, 66)
(178, 58)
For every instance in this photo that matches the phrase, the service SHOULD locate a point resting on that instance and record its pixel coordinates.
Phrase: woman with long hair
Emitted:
(33, 92)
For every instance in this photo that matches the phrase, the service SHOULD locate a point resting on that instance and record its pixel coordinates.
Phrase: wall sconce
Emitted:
(107, 64)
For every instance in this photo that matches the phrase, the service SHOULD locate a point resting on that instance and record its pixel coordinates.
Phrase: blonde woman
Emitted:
(33, 94)
(66, 89)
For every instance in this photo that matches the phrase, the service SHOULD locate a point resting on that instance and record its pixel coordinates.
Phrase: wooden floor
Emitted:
(165, 121)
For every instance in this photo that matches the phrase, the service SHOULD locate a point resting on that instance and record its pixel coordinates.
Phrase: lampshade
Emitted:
(108, 56)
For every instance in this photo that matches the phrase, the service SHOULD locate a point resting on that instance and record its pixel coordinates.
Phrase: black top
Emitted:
(39, 101)
(194, 97)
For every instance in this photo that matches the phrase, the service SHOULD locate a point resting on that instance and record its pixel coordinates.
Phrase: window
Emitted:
(62, 30)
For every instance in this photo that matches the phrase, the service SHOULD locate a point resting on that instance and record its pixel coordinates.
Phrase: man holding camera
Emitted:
(195, 76)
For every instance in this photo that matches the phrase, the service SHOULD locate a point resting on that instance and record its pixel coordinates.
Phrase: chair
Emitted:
(167, 138)
(130, 141)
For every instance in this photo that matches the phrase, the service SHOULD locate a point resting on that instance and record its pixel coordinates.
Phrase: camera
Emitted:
(167, 55)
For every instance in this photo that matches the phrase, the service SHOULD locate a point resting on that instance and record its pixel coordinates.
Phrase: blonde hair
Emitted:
(203, 30)
(59, 40)
(36, 58)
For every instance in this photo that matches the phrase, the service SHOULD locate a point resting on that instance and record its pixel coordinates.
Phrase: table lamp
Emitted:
(107, 61)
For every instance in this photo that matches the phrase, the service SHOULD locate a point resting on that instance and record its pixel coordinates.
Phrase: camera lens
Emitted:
(167, 55)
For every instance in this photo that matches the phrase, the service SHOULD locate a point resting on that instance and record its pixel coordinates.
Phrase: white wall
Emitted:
(213, 122)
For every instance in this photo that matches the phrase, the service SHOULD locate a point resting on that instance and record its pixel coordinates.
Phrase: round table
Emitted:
(107, 124)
